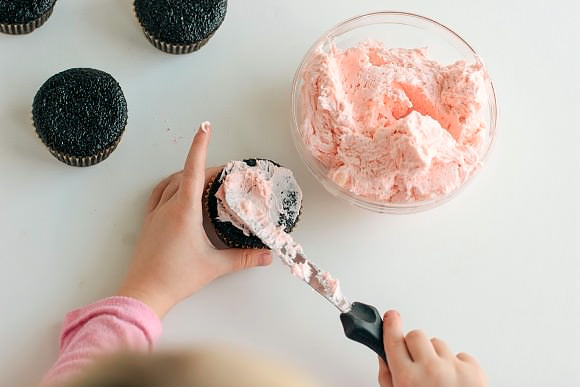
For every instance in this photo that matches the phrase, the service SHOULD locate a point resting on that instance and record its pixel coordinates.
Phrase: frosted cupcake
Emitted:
(248, 180)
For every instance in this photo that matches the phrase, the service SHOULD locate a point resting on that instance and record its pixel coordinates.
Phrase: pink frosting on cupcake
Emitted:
(250, 198)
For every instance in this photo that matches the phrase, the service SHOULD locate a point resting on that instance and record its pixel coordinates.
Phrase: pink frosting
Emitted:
(301, 270)
(249, 198)
(391, 125)
(258, 189)
(253, 192)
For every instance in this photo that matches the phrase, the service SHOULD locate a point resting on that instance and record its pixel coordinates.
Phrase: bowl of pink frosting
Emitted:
(393, 112)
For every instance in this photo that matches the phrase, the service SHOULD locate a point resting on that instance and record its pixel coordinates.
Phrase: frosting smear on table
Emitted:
(390, 124)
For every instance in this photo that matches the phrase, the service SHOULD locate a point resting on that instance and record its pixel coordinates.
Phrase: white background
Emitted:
(495, 271)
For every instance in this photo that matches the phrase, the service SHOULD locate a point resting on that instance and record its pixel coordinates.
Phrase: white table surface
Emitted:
(495, 271)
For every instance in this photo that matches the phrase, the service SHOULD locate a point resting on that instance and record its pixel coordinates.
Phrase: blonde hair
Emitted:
(207, 367)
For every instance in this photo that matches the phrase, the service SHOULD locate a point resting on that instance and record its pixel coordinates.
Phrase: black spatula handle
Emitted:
(364, 324)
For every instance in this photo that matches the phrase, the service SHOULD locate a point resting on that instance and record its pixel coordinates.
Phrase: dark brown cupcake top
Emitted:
(23, 11)
(80, 112)
(181, 22)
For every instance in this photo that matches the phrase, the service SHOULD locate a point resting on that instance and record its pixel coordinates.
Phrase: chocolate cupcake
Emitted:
(284, 193)
(19, 17)
(180, 26)
(80, 114)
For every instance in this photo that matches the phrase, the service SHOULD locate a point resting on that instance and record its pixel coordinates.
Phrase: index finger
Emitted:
(194, 169)
(395, 347)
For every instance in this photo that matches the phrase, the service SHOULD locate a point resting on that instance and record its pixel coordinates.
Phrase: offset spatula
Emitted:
(361, 322)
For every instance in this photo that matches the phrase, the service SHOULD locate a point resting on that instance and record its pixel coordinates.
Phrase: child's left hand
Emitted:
(173, 257)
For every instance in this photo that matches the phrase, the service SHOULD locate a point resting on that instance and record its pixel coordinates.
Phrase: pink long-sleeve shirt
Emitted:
(106, 326)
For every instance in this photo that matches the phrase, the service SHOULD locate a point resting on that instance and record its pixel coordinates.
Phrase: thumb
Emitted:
(241, 259)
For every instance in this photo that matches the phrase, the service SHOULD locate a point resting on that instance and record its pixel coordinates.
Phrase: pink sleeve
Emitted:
(108, 325)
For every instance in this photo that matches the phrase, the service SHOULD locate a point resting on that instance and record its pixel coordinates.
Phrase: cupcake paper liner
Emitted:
(26, 28)
(85, 161)
(170, 48)
(176, 49)
(81, 161)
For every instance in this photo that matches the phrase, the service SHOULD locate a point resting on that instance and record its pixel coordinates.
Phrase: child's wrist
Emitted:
(158, 304)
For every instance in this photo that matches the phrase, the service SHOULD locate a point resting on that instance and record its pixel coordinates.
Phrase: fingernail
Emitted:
(390, 314)
(204, 127)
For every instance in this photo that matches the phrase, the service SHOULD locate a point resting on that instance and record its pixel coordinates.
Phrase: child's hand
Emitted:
(416, 361)
(173, 257)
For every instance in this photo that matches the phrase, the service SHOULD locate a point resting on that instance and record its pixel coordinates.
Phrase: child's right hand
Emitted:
(416, 361)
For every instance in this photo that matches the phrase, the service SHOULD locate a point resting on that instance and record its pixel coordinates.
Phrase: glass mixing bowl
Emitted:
(395, 30)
